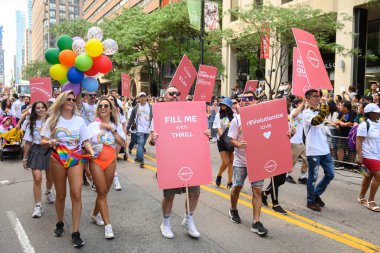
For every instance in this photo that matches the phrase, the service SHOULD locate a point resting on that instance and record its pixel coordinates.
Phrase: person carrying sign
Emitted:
(317, 148)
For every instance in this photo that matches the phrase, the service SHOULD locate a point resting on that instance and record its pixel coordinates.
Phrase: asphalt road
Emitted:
(343, 226)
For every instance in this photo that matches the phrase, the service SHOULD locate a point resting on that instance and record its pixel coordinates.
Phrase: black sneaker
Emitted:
(314, 206)
(130, 151)
(319, 202)
(144, 150)
(302, 180)
(234, 215)
(218, 180)
(259, 229)
(290, 179)
(264, 199)
(77, 241)
(279, 209)
(229, 185)
(58, 232)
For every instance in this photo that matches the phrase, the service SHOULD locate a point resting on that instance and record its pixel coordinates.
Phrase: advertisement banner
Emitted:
(40, 89)
(204, 85)
(194, 9)
(251, 85)
(312, 60)
(184, 77)
(300, 84)
(265, 129)
(265, 43)
(211, 16)
(182, 148)
(125, 82)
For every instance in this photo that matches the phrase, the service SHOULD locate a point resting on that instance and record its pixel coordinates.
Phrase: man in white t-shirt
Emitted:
(240, 172)
(317, 148)
(89, 109)
(142, 115)
(16, 107)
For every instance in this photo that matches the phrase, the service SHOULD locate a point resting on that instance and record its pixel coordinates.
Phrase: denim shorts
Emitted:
(240, 174)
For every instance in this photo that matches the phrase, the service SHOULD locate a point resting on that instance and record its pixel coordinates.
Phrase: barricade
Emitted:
(341, 154)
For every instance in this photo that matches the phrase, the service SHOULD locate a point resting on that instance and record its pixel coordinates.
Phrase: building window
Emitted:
(52, 21)
(259, 2)
(71, 8)
(52, 5)
(62, 7)
(62, 15)
(286, 1)
(71, 16)
(62, 1)
(52, 14)
(234, 6)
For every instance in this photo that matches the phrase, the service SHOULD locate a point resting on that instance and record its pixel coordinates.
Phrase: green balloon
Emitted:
(64, 42)
(52, 55)
(83, 62)
(63, 81)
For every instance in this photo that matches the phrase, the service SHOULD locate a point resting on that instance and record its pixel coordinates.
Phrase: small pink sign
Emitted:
(184, 77)
(205, 83)
(40, 89)
(182, 148)
(125, 82)
(300, 84)
(265, 129)
(251, 85)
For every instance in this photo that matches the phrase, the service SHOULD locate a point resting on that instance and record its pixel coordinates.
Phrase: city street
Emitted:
(342, 226)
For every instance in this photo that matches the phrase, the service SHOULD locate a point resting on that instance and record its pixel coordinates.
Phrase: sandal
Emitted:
(362, 201)
(375, 208)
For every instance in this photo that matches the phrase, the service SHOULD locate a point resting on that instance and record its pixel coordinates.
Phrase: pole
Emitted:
(202, 28)
(187, 200)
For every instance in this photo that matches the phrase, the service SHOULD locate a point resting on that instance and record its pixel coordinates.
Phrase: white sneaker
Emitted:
(37, 212)
(117, 184)
(49, 197)
(108, 233)
(166, 229)
(97, 219)
(189, 223)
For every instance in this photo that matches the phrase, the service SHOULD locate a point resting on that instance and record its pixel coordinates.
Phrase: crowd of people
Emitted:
(78, 137)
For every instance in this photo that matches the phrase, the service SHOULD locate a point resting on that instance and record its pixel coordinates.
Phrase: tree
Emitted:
(73, 28)
(35, 69)
(277, 22)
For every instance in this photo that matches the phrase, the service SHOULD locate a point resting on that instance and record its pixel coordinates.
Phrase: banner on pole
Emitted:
(265, 129)
(204, 85)
(312, 60)
(300, 84)
(194, 9)
(211, 16)
(184, 77)
(125, 85)
(251, 85)
(182, 148)
(265, 43)
(40, 89)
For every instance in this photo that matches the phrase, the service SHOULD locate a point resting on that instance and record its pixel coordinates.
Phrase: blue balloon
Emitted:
(74, 75)
(90, 84)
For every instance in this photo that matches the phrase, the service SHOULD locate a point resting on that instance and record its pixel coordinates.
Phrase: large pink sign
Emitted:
(184, 77)
(40, 89)
(182, 148)
(205, 83)
(265, 129)
(251, 85)
(125, 82)
(311, 57)
(300, 84)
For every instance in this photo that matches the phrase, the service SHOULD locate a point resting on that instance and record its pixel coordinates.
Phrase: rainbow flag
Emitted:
(69, 158)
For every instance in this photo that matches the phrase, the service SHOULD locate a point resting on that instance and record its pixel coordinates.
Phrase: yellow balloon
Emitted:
(58, 72)
(94, 47)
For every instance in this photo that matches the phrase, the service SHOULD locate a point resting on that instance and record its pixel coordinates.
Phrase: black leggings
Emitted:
(278, 181)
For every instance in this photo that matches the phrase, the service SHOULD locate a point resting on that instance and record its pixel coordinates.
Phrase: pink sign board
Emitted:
(251, 85)
(204, 86)
(265, 129)
(182, 148)
(40, 89)
(311, 57)
(125, 81)
(184, 77)
(300, 83)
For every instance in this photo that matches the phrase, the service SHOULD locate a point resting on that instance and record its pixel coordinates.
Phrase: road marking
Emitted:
(299, 220)
(4, 182)
(21, 235)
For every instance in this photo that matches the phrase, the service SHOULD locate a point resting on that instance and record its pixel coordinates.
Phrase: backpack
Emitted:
(352, 136)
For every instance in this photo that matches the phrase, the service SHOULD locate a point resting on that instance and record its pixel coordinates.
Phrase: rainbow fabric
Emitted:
(69, 158)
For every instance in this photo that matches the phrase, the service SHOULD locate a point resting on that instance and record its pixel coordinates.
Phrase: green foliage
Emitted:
(73, 28)
(35, 69)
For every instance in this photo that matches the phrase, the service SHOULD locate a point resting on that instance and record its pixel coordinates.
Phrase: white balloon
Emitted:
(110, 47)
(95, 32)
(78, 46)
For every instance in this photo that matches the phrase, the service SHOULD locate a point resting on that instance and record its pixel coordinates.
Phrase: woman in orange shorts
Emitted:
(105, 134)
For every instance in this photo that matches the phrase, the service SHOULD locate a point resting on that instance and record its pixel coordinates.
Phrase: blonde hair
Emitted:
(114, 113)
(54, 112)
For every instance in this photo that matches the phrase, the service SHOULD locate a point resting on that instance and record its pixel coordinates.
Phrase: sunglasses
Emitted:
(104, 106)
(172, 93)
(92, 96)
(247, 98)
(71, 100)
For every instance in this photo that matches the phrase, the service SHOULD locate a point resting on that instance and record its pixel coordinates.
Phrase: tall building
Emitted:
(28, 35)
(20, 44)
(46, 14)
(30, 20)
(2, 77)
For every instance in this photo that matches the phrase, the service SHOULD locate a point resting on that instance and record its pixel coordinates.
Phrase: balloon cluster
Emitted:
(76, 62)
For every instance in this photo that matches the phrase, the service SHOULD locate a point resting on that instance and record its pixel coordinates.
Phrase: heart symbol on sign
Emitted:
(267, 134)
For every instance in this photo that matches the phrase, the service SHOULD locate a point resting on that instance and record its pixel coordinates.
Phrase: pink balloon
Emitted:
(75, 87)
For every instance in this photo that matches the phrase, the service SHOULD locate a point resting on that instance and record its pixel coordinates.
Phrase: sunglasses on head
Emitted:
(71, 100)
(172, 93)
(104, 106)
(247, 98)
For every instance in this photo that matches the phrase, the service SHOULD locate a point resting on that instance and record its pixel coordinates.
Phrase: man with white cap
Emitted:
(141, 115)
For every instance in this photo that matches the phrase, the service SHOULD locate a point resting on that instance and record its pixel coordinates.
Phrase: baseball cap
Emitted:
(142, 94)
(372, 108)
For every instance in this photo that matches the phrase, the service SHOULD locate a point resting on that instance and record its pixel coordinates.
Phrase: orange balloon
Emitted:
(67, 57)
